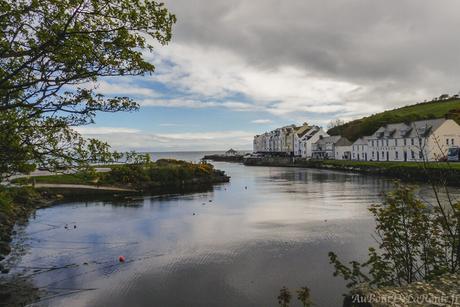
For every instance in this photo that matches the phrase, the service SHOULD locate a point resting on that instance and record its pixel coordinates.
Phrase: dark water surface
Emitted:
(234, 246)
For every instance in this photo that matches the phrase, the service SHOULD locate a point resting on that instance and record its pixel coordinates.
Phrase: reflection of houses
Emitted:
(231, 152)
(332, 147)
(416, 141)
(360, 149)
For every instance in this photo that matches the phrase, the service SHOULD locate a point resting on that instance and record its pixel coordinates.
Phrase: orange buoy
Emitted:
(121, 259)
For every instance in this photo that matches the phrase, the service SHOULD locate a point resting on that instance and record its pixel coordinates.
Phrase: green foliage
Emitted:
(368, 125)
(138, 175)
(303, 295)
(284, 298)
(52, 55)
(392, 164)
(416, 242)
(6, 201)
(161, 172)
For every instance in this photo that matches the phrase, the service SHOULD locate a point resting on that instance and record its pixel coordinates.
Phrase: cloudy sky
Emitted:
(238, 68)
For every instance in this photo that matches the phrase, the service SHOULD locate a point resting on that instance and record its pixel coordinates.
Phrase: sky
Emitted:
(238, 68)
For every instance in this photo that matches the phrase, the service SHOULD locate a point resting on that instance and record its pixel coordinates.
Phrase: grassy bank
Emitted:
(438, 172)
(162, 173)
(427, 110)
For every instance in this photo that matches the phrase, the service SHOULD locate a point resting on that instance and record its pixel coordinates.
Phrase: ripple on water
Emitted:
(268, 228)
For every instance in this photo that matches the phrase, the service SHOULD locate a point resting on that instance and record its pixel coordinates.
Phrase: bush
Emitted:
(417, 242)
(161, 172)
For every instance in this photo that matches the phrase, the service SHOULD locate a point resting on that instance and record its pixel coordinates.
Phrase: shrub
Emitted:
(416, 242)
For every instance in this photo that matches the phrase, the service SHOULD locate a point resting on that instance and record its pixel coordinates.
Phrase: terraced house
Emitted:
(289, 140)
(360, 149)
(426, 140)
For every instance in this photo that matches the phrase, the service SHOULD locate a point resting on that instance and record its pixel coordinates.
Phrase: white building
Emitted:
(427, 140)
(307, 139)
(342, 149)
(360, 149)
(287, 140)
(332, 147)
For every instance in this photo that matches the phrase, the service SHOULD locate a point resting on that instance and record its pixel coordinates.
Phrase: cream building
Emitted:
(307, 139)
(332, 147)
(360, 149)
(427, 140)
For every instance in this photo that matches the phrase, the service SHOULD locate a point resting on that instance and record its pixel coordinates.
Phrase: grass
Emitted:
(427, 110)
(159, 173)
(387, 165)
(57, 179)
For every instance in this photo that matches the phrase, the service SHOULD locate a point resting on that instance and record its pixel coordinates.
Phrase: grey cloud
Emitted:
(409, 47)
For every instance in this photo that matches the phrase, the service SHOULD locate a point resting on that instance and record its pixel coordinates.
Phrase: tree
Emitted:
(335, 123)
(52, 54)
(444, 97)
(335, 127)
(417, 242)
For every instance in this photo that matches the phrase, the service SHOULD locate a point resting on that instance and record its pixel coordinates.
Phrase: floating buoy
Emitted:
(193, 213)
(245, 188)
(210, 200)
(74, 226)
(121, 259)
(65, 226)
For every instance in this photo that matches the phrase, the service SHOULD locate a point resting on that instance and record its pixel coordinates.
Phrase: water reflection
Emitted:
(235, 245)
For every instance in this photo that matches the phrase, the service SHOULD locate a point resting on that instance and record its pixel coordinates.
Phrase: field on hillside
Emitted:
(429, 110)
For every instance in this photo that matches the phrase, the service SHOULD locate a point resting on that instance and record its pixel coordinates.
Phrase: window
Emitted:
(420, 155)
(373, 154)
(412, 141)
(383, 154)
(405, 142)
(447, 141)
(397, 155)
(412, 154)
(420, 142)
(387, 142)
(452, 142)
(372, 142)
(396, 142)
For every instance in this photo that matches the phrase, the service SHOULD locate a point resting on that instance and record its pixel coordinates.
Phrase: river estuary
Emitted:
(235, 245)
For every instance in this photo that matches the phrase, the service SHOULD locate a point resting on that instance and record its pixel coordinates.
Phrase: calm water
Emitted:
(234, 246)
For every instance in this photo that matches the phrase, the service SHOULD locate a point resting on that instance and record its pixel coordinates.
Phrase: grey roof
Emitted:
(361, 141)
(329, 139)
(421, 128)
(343, 141)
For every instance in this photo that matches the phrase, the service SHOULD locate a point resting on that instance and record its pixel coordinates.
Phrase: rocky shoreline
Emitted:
(224, 158)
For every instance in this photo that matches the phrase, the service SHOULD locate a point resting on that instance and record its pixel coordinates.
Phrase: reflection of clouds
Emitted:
(276, 232)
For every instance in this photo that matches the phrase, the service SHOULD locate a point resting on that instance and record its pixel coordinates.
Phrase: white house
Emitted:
(427, 140)
(307, 140)
(299, 135)
(231, 152)
(342, 149)
(332, 147)
(360, 149)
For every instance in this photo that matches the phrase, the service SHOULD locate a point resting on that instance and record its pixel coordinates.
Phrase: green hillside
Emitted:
(427, 110)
